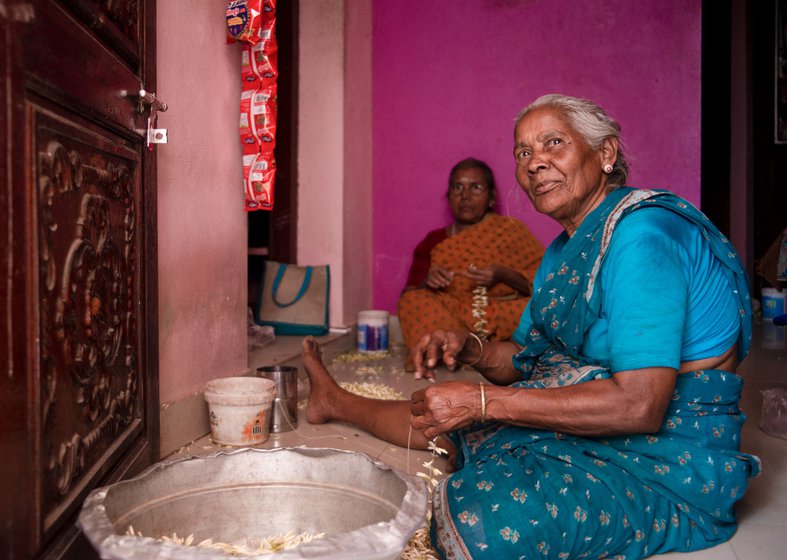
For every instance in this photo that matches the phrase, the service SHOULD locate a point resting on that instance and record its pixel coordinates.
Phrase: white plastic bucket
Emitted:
(773, 303)
(240, 409)
(372, 331)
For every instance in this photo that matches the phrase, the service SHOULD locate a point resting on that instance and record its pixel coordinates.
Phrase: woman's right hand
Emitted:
(436, 346)
(438, 277)
(445, 407)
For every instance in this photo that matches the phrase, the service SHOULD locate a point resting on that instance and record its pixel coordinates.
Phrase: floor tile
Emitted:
(760, 542)
(720, 552)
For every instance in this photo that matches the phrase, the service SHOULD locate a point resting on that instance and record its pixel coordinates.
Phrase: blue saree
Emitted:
(528, 493)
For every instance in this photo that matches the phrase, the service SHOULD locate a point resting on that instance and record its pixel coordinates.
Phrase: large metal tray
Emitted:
(366, 509)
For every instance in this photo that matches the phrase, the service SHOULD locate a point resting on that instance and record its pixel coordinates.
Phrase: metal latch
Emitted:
(149, 98)
(156, 135)
(153, 135)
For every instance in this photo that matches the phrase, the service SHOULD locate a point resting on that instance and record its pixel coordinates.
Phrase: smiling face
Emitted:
(469, 195)
(557, 169)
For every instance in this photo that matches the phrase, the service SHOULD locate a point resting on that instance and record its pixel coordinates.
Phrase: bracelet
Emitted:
(483, 401)
(480, 353)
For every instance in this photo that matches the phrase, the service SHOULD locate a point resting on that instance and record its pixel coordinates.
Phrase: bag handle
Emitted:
(304, 286)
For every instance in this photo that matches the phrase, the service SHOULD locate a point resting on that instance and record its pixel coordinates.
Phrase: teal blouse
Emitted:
(659, 280)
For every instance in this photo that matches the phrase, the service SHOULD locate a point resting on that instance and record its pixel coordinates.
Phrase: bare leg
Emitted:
(387, 420)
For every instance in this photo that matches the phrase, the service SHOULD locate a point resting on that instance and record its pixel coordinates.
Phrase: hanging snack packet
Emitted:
(259, 172)
(258, 120)
(244, 20)
(263, 122)
(259, 64)
(266, 33)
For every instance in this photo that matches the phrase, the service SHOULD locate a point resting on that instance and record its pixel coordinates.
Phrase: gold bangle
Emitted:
(483, 401)
(480, 351)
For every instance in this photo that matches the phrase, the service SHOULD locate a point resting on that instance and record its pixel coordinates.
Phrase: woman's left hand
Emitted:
(487, 277)
(497, 274)
(445, 407)
(435, 347)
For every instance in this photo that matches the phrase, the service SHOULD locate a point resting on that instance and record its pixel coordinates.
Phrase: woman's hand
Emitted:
(436, 346)
(445, 407)
(487, 277)
(496, 274)
(438, 277)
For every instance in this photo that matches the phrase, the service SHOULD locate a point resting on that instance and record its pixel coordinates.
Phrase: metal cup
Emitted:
(285, 407)
(285, 415)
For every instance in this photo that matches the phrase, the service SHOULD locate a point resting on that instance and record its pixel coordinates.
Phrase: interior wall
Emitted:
(201, 221)
(334, 149)
(357, 224)
(448, 84)
(444, 85)
(321, 140)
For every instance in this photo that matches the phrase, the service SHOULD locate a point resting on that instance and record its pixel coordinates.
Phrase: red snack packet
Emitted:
(258, 120)
(244, 20)
(259, 64)
(266, 30)
(259, 172)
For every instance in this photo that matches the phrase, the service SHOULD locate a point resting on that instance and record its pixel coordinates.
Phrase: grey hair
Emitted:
(591, 122)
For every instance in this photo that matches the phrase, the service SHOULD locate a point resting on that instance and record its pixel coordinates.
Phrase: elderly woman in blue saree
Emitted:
(609, 426)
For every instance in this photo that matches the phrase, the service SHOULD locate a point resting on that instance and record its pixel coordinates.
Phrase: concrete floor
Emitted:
(762, 534)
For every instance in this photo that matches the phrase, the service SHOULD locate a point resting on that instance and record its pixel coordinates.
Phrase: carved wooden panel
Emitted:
(78, 300)
(118, 23)
(87, 213)
(125, 16)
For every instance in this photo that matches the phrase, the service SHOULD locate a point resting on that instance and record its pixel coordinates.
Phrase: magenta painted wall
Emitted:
(449, 78)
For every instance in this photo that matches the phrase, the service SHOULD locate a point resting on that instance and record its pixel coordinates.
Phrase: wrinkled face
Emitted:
(556, 167)
(469, 195)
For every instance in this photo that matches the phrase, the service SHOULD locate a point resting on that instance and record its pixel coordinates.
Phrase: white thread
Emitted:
(409, 434)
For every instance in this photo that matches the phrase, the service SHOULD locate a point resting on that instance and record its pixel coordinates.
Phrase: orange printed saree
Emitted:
(499, 240)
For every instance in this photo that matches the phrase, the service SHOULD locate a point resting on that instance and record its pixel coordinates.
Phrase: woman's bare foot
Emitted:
(321, 406)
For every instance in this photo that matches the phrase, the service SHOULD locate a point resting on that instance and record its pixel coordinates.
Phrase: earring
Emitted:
(608, 168)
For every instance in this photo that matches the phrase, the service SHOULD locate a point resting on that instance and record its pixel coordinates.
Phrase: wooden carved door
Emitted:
(78, 336)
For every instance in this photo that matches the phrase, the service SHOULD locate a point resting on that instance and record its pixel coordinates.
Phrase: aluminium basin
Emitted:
(366, 509)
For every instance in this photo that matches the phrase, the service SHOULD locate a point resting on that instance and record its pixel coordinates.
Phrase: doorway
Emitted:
(741, 42)
(769, 132)
(273, 234)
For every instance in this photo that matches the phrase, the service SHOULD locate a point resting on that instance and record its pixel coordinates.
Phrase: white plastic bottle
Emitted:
(372, 331)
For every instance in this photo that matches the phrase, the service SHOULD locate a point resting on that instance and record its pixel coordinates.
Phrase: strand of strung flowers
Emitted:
(480, 304)
(419, 547)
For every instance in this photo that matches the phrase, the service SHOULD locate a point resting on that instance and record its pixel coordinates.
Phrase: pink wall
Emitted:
(335, 149)
(202, 228)
(449, 78)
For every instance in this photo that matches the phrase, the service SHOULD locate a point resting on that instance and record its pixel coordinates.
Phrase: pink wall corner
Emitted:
(201, 222)
(357, 236)
(448, 83)
(321, 122)
(334, 149)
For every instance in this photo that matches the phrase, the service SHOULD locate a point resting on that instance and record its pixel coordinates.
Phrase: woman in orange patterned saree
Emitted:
(475, 273)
